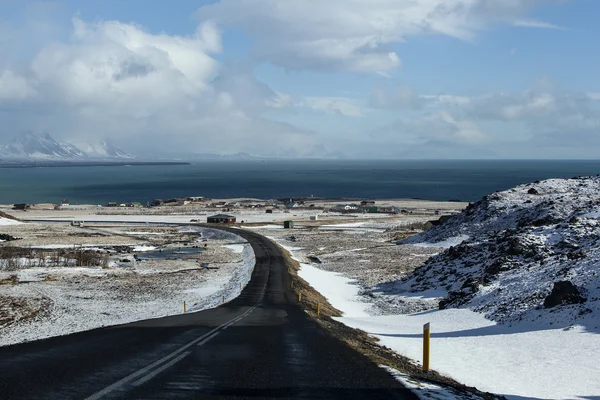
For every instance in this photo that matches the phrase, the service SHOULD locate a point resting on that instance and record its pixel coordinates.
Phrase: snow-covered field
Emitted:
(529, 351)
(40, 302)
(7, 221)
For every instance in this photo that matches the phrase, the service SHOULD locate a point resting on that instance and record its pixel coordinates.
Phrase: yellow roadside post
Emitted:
(300, 297)
(426, 348)
(318, 308)
(223, 299)
(184, 307)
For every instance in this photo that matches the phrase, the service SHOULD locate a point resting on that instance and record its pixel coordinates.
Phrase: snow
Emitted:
(8, 221)
(522, 360)
(236, 248)
(513, 361)
(79, 300)
(339, 290)
(144, 248)
(348, 225)
(268, 227)
(453, 241)
(427, 390)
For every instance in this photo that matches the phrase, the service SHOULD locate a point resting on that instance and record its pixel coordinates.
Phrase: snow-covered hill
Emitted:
(30, 145)
(105, 149)
(531, 254)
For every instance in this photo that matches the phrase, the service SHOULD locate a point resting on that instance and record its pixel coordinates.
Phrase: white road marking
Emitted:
(161, 369)
(208, 338)
(134, 375)
(144, 370)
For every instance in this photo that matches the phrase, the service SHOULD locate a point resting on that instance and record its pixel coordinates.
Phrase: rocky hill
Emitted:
(531, 254)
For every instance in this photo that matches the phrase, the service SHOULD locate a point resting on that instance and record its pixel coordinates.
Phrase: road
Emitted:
(261, 345)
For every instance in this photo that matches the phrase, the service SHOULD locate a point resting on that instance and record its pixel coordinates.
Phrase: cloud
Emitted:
(355, 35)
(532, 23)
(153, 92)
(398, 98)
(541, 109)
(332, 105)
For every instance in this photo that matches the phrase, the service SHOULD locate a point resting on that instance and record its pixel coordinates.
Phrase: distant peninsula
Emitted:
(54, 163)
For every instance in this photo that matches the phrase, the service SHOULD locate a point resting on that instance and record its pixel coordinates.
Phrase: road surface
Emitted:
(259, 346)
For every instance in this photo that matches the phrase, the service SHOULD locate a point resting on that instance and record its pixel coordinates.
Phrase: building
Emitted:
(21, 206)
(390, 210)
(221, 219)
(314, 217)
(111, 204)
(269, 211)
(345, 208)
(366, 203)
(370, 209)
(288, 224)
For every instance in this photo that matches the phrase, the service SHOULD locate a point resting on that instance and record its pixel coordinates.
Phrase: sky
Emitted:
(398, 79)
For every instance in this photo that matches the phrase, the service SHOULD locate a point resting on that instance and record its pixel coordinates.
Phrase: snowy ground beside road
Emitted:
(40, 302)
(519, 361)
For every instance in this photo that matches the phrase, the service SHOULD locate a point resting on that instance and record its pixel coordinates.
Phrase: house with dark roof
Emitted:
(221, 219)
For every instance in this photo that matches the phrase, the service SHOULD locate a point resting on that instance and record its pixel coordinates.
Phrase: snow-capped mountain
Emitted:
(31, 145)
(105, 149)
(531, 253)
(35, 146)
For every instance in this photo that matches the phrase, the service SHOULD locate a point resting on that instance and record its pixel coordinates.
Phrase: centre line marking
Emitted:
(144, 370)
(161, 369)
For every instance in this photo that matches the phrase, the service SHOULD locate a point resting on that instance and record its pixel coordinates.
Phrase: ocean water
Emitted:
(435, 180)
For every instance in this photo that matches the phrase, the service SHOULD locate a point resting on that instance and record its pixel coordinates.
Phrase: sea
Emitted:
(270, 179)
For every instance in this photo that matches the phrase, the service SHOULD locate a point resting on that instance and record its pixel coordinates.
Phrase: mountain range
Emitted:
(34, 146)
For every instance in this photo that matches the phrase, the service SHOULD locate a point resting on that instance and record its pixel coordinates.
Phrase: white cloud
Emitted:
(152, 91)
(402, 97)
(543, 109)
(14, 88)
(355, 35)
(533, 23)
(332, 105)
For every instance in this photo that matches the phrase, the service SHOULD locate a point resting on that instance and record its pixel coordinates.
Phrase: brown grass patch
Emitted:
(360, 340)
(8, 216)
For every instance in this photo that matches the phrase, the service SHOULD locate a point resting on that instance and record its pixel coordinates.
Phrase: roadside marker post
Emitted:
(223, 299)
(426, 348)
(184, 307)
(318, 308)
(299, 297)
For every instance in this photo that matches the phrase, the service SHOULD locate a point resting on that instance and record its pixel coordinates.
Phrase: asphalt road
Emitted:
(259, 346)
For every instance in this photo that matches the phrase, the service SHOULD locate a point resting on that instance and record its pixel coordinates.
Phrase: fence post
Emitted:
(426, 348)
(184, 307)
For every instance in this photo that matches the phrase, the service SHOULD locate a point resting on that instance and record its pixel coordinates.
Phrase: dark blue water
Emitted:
(436, 180)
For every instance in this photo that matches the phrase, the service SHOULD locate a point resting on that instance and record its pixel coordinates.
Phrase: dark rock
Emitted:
(563, 292)
(575, 255)
(7, 238)
(515, 247)
(314, 259)
(471, 285)
(533, 191)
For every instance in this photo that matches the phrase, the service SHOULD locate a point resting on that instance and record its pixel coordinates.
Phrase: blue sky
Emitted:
(368, 79)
